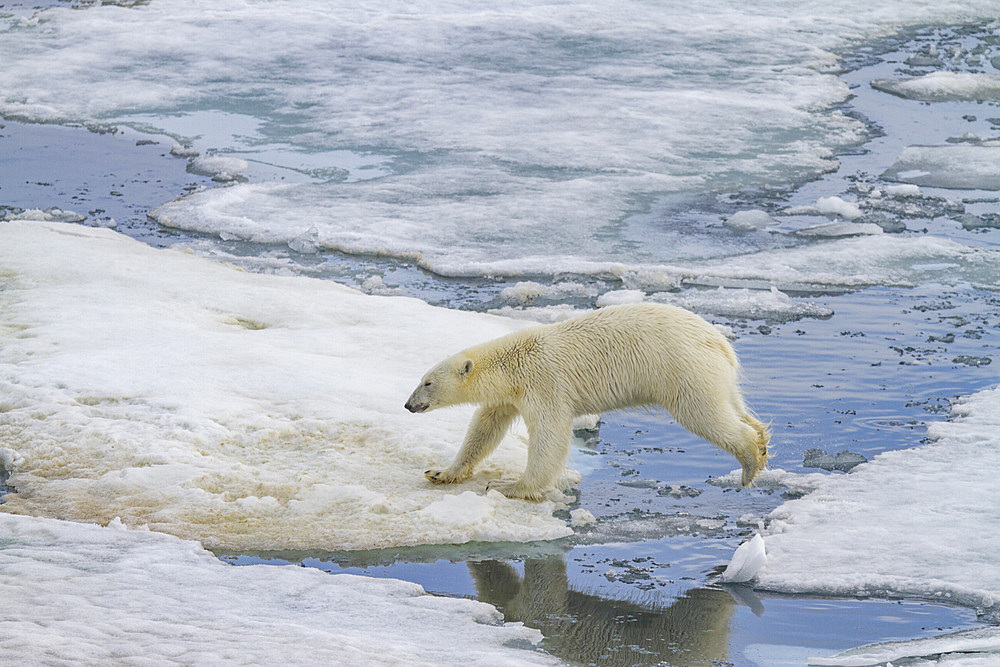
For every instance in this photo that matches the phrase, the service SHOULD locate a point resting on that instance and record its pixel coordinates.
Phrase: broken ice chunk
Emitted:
(844, 461)
(747, 561)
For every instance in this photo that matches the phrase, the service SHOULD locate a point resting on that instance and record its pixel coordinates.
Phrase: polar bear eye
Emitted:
(427, 384)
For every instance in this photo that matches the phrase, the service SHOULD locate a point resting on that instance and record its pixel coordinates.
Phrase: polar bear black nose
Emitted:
(413, 407)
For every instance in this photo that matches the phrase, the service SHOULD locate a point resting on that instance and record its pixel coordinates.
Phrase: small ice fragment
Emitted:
(307, 243)
(219, 168)
(844, 461)
(840, 229)
(904, 190)
(581, 517)
(838, 207)
(747, 221)
(52, 214)
(183, 151)
(616, 297)
(747, 561)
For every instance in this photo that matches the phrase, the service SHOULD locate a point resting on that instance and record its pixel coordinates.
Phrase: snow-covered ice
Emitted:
(943, 86)
(86, 594)
(914, 522)
(246, 411)
(956, 166)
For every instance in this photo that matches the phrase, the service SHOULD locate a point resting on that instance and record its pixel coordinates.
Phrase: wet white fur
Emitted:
(616, 357)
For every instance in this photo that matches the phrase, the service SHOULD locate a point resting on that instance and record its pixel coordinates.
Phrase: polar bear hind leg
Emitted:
(716, 412)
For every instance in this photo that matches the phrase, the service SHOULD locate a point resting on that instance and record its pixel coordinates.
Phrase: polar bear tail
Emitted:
(762, 454)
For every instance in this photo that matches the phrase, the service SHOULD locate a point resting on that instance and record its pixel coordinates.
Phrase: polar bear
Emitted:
(616, 357)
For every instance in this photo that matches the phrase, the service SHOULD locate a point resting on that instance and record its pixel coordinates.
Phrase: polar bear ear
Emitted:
(466, 367)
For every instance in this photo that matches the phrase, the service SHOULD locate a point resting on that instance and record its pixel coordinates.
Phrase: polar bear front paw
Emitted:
(444, 476)
(517, 491)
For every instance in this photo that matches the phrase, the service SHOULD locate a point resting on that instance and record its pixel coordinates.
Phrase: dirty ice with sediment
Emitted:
(583, 153)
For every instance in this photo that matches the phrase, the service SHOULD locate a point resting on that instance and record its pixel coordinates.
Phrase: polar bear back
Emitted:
(617, 357)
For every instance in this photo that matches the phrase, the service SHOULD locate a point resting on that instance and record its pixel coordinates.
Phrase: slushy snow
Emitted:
(249, 412)
(85, 594)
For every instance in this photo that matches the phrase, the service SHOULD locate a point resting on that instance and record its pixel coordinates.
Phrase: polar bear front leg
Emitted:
(548, 447)
(486, 430)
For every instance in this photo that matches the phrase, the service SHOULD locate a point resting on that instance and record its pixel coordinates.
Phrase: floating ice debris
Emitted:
(526, 291)
(174, 601)
(539, 314)
(639, 483)
(581, 517)
(958, 166)
(678, 491)
(306, 243)
(838, 207)
(178, 150)
(747, 561)
(772, 305)
(844, 461)
(904, 190)
(771, 479)
(829, 206)
(219, 168)
(837, 229)
(943, 86)
(984, 221)
(617, 297)
(48, 215)
(637, 525)
(969, 360)
(746, 221)
(376, 285)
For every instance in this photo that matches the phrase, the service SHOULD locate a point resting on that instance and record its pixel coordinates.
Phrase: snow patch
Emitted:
(77, 593)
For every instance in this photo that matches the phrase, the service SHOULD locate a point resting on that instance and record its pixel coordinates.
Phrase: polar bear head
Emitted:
(445, 384)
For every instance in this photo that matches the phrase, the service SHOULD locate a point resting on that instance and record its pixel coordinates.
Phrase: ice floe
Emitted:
(956, 166)
(943, 86)
(246, 411)
(85, 594)
(910, 523)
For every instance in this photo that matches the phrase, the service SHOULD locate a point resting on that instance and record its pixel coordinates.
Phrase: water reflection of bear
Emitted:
(588, 629)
